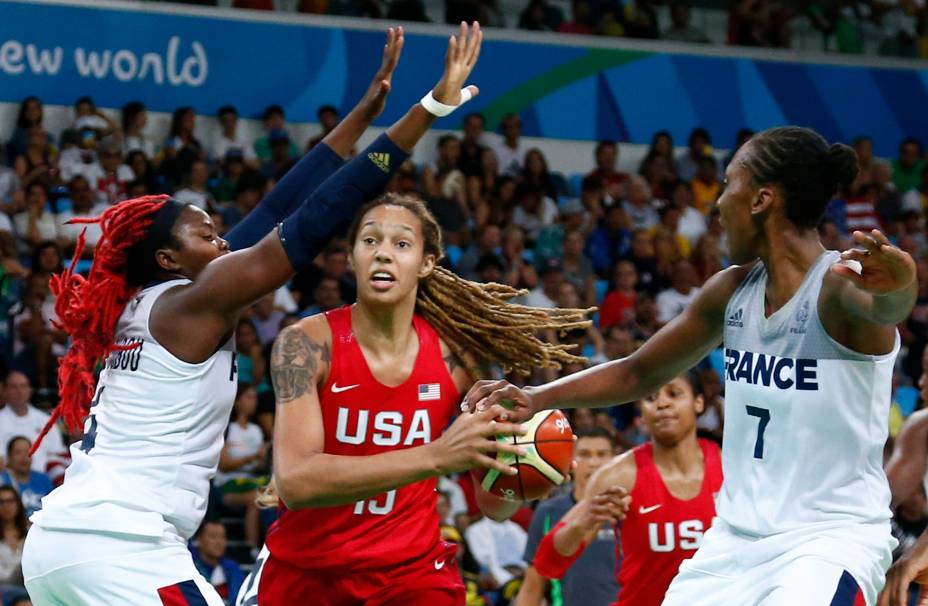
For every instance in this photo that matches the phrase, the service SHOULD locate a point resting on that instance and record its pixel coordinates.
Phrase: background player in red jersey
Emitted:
(672, 481)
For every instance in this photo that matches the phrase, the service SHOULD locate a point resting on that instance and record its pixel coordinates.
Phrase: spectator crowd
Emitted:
(637, 245)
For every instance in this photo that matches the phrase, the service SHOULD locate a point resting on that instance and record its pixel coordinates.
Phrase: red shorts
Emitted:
(431, 581)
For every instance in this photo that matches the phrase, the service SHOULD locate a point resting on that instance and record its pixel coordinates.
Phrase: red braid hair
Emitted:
(89, 308)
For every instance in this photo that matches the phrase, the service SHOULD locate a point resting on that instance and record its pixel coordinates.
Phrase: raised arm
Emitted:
(676, 347)
(233, 281)
(308, 477)
(323, 160)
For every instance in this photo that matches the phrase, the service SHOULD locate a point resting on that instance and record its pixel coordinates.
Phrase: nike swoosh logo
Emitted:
(644, 510)
(337, 389)
(439, 564)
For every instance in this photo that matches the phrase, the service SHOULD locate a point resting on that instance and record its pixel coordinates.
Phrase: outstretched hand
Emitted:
(910, 568)
(884, 268)
(487, 394)
(460, 59)
(375, 98)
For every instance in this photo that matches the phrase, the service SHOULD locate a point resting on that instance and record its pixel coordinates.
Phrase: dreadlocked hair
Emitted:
(89, 308)
(477, 318)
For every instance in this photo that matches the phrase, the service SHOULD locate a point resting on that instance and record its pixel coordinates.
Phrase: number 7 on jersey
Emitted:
(763, 416)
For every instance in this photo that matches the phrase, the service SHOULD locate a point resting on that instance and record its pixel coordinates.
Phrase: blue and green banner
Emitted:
(167, 60)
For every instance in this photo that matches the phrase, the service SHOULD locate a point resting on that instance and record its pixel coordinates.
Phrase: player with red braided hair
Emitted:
(159, 308)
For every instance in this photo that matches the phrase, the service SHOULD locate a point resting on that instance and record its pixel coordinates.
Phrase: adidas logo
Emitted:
(381, 160)
(735, 319)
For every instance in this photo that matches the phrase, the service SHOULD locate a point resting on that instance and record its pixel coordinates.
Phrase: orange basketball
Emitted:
(550, 445)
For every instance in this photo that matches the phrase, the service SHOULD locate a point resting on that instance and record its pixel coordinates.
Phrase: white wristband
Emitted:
(436, 108)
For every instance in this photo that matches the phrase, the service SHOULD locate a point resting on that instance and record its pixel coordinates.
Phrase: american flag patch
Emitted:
(430, 391)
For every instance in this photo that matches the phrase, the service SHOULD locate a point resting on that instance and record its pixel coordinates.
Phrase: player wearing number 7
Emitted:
(809, 351)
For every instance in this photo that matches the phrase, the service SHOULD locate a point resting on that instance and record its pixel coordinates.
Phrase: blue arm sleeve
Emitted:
(297, 185)
(329, 210)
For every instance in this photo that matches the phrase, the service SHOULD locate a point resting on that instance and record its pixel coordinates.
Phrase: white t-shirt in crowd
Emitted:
(47, 224)
(496, 545)
(29, 426)
(671, 303)
(241, 442)
(510, 161)
(222, 144)
(191, 196)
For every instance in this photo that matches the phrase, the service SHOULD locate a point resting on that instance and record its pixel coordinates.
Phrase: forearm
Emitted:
(346, 133)
(571, 537)
(407, 131)
(325, 480)
(532, 591)
(606, 384)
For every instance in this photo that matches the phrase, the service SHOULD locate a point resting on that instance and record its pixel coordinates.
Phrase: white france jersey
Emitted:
(805, 417)
(151, 443)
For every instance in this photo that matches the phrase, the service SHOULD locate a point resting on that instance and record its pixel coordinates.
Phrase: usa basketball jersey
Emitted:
(805, 417)
(660, 530)
(363, 417)
(151, 443)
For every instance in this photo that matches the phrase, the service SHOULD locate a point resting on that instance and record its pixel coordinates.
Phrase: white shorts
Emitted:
(815, 567)
(71, 568)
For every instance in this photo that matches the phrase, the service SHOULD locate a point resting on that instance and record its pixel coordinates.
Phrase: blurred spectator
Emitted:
(243, 461)
(266, 318)
(700, 146)
(487, 12)
(536, 173)
(134, 121)
(181, 136)
(14, 524)
(37, 162)
(20, 418)
(711, 421)
(582, 21)
(144, 174)
(88, 116)
(483, 187)
(681, 30)
(472, 145)
(83, 205)
(639, 205)
(672, 301)
(273, 121)
(30, 484)
(707, 257)
(533, 210)
(619, 305)
(487, 242)
(443, 179)
(195, 189)
(838, 18)
(251, 365)
(519, 271)
(706, 185)
(497, 547)
(741, 137)
(30, 115)
(908, 168)
(328, 119)
(231, 168)
(661, 145)
(209, 548)
(546, 293)
(248, 192)
(644, 257)
(619, 342)
(110, 177)
(657, 172)
(37, 222)
(611, 180)
(281, 159)
(692, 223)
(540, 15)
(510, 152)
(229, 137)
(759, 23)
(610, 241)
(578, 269)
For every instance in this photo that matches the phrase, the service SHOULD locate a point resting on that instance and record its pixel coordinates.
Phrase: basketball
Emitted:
(550, 445)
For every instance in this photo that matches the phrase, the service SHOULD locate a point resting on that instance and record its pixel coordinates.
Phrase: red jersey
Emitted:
(660, 530)
(364, 417)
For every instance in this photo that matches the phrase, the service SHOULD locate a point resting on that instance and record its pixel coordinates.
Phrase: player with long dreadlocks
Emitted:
(364, 393)
(160, 306)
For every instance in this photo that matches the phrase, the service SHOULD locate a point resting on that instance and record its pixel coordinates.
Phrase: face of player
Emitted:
(590, 454)
(670, 414)
(735, 209)
(389, 257)
(198, 244)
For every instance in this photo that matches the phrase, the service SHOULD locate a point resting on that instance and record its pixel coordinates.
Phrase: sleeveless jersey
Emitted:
(363, 417)
(805, 417)
(151, 443)
(660, 530)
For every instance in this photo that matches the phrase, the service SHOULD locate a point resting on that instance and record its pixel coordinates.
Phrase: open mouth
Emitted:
(382, 280)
